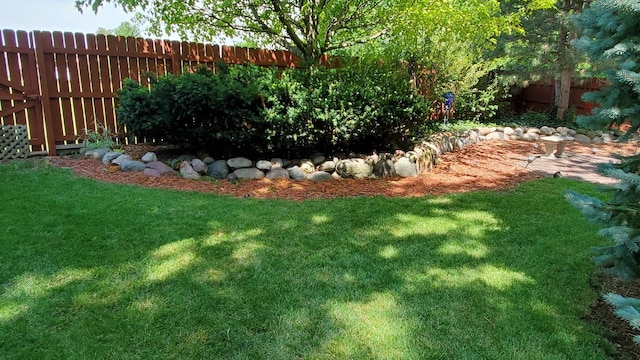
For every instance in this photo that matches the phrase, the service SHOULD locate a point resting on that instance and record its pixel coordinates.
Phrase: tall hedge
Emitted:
(250, 110)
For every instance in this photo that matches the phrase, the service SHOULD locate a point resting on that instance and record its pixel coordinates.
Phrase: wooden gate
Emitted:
(20, 101)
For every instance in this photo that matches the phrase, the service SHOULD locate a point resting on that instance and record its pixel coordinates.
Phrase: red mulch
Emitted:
(485, 166)
(493, 166)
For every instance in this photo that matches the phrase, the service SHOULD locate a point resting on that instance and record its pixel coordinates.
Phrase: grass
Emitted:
(94, 270)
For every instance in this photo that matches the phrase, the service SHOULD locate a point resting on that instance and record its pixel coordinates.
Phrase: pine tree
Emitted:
(611, 37)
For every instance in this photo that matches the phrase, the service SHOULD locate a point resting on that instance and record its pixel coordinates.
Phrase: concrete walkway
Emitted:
(580, 162)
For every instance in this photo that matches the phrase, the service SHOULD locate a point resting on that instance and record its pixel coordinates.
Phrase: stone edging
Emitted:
(318, 167)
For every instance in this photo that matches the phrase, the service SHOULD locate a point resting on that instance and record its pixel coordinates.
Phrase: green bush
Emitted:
(248, 110)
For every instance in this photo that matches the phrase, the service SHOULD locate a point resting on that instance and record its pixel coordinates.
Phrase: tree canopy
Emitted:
(124, 29)
(308, 28)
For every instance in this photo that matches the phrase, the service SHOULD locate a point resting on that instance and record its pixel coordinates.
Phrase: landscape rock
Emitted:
(110, 156)
(187, 171)
(218, 169)
(208, 160)
(597, 140)
(384, 168)
(496, 136)
(405, 168)
(354, 168)
(199, 166)
(120, 159)
(518, 132)
(508, 131)
(307, 166)
(263, 165)
(239, 163)
(158, 168)
(484, 131)
(248, 173)
(317, 158)
(132, 166)
(276, 162)
(607, 138)
(529, 136)
(277, 173)
(149, 157)
(546, 130)
(582, 138)
(319, 176)
(327, 166)
(96, 153)
(296, 173)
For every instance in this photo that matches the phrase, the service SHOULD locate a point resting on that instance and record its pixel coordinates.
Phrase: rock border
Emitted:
(319, 167)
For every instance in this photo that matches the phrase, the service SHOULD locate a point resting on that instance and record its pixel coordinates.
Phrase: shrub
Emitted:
(248, 110)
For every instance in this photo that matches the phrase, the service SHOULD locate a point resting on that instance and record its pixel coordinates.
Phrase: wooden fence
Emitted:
(540, 97)
(61, 85)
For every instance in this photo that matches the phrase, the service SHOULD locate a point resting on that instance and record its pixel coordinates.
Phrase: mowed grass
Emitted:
(102, 271)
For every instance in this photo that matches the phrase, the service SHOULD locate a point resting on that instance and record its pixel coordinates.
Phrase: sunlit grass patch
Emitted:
(93, 270)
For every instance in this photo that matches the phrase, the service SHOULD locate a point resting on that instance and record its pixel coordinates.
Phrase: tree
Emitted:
(446, 46)
(125, 29)
(309, 28)
(543, 49)
(609, 35)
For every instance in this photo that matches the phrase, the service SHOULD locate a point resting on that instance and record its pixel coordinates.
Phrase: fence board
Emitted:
(84, 83)
(5, 92)
(74, 85)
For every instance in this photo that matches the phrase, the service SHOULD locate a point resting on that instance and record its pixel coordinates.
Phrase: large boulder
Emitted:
(296, 173)
(264, 165)
(546, 131)
(132, 166)
(354, 168)
(110, 156)
(208, 160)
(277, 173)
(120, 159)
(319, 176)
(406, 168)
(158, 168)
(317, 158)
(328, 166)
(384, 168)
(582, 138)
(218, 169)
(149, 157)
(239, 163)
(497, 135)
(199, 166)
(96, 153)
(277, 162)
(248, 173)
(307, 166)
(187, 171)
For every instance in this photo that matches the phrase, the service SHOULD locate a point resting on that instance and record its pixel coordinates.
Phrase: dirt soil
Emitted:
(490, 165)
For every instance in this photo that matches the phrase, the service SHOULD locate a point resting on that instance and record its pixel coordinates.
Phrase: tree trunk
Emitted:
(563, 93)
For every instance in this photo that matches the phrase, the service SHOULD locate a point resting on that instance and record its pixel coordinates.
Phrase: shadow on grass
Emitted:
(108, 271)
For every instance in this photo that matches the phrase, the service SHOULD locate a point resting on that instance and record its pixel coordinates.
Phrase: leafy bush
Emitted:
(246, 110)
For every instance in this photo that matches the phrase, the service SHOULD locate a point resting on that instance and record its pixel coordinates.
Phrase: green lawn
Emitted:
(102, 271)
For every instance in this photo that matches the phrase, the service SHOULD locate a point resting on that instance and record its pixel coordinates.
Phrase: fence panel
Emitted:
(20, 102)
(61, 85)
